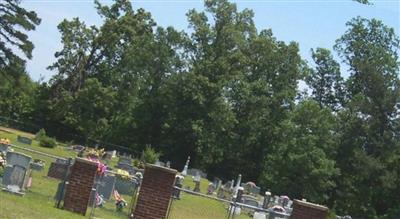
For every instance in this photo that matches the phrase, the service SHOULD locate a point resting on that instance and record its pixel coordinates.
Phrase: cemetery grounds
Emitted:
(39, 203)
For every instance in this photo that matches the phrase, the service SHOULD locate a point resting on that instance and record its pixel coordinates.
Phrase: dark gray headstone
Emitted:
(106, 186)
(15, 175)
(251, 188)
(125, 186)
(37, 166)
(78, 148)
(15, 158)
(250, 201)
(7, 175)
(61, 161)
(58, 170)
(24, 140)
(4, 148)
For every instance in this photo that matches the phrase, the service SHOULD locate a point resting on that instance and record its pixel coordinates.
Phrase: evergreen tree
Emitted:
(14, 20)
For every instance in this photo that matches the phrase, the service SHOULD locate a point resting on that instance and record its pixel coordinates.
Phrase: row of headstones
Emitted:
(229, 189)
(107, 183)
(84, 187)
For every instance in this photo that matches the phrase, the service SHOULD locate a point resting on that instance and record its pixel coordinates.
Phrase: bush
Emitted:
(149, 155)
(47, 142)
(40, 134)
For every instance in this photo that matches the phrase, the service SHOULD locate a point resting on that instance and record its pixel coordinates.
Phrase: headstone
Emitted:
(58, 170)
(250, 201)
(16, 171)
(125, 186)
(178, 183)
(159, 163)
(217, 183)
(259, 215)
(110, 154)
(4, 148)
(239, 179)
(24, 140)
(210, 189)
(196, 181)
(251, 188)
(284, 201)
(225, 191)
(16, 179)
(15, 158)
(61, 161)
(15, 175)
(106, 186)
(37, 165)
(267, 199)
(78, 148)
(185, 168)
(255, 190)
(59, 196)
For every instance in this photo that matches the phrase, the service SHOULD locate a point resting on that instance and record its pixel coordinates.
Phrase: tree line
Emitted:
(225, 94)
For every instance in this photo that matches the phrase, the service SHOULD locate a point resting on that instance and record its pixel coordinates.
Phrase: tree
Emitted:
(77, 58)
(261, 98)
(302, 164)
(88, 111)
(16, 100)
(14, 20)
(369, 144)
(325, 81)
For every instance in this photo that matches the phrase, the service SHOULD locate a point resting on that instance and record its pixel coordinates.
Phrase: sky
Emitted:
(311, 23)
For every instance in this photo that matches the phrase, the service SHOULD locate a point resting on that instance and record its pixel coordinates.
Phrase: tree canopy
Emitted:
(227, 95)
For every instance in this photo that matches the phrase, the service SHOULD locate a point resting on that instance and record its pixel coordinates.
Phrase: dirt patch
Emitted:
(17, 132)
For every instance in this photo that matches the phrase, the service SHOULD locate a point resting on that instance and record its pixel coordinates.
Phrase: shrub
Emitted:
(40, 134)
(149, 155)
(47, 142)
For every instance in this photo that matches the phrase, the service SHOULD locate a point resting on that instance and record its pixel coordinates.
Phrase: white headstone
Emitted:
(239, 179)
(185, 168)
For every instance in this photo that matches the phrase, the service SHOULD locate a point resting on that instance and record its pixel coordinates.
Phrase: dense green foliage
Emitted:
(149, 155)
(228, 95)
(47, 142)
(44, 140)
(40, 134)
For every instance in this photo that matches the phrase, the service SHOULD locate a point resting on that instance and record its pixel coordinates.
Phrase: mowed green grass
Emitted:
(38, 202)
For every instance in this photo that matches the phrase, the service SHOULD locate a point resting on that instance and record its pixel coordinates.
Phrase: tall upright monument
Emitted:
(185, 169)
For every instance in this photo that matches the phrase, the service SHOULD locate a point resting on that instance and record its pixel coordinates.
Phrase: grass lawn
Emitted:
(38, 203)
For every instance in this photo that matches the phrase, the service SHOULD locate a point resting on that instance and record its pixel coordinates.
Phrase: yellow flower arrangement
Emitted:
(5, 141)
(123, 174)
(95, 153)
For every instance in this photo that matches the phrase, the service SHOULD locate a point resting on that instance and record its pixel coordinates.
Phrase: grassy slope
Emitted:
(38, 203)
